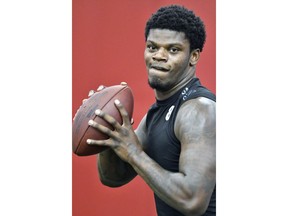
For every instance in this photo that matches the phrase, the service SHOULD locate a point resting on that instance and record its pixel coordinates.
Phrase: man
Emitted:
(174, 147)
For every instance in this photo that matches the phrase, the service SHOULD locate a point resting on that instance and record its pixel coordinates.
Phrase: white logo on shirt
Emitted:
(169, 113)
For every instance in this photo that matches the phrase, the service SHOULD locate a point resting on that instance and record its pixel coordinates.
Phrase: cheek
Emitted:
(180, 62)
(147, 58)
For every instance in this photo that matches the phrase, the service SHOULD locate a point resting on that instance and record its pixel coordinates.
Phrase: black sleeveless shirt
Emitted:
(162, 144)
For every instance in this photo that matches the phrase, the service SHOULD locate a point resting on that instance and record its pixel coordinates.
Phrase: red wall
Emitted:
(108, 46)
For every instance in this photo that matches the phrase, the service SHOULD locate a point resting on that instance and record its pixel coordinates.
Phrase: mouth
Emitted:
(159, 68)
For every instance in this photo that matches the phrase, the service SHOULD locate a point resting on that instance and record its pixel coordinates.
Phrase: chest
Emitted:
(162, 145)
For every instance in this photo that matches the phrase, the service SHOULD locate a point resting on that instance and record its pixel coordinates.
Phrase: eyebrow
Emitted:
(169, 44)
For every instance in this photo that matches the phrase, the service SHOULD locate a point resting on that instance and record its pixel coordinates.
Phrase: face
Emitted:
(167, 55)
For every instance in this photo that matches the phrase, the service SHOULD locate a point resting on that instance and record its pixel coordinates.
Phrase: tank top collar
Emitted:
(175, 96)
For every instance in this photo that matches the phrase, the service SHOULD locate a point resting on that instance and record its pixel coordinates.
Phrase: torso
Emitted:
(162, 144)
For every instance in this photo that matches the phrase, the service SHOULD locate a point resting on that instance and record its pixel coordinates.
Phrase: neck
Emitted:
(164, 95)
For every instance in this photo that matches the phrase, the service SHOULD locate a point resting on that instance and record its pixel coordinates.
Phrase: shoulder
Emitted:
(200, 101)
(196, 108)
(196, 116)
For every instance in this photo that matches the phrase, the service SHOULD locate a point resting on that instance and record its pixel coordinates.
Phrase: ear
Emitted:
(195, 55)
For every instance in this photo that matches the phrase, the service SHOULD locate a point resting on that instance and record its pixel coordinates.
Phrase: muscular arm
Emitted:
(190, 190)
(113, 171)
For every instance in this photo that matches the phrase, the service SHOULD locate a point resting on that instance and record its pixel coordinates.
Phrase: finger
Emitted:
(102, 129)
(84, 100)
(76, 113)
(74, 117)
(109, 119)
(107, 142)
(90, 93)
(123, 112)
(101, 87)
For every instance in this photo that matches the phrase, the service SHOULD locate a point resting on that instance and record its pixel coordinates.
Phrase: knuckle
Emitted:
(113, 122)
(125, 114)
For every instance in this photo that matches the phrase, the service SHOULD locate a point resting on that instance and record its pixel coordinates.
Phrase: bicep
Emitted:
(196, 129)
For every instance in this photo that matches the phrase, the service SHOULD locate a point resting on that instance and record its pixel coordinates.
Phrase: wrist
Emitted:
(135, 157)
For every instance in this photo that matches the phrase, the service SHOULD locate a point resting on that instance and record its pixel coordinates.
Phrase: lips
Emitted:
(159, 67)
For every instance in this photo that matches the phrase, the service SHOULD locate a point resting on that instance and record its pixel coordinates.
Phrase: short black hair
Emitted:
(178, 18)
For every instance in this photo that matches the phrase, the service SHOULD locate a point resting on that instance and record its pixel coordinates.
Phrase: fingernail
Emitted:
(97, 112)
(117, 102)
(100, 88)
(91, 92)
(90, 122)
(123, 83)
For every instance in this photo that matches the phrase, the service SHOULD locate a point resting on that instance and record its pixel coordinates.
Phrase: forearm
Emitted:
(113, 171)
(168, 186)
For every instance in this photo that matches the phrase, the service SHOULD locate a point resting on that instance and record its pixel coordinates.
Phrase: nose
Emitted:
(160, 55)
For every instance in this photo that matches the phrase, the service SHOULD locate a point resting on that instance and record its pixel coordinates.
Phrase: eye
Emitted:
(174, 50)
(151, 47)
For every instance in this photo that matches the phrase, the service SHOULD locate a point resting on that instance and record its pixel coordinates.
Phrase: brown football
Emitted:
(103, 100)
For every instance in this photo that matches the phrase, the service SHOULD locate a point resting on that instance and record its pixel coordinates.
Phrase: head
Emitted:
(174, 36)
(180, 19)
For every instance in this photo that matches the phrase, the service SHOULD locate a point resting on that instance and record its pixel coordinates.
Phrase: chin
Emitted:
(159, 85)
